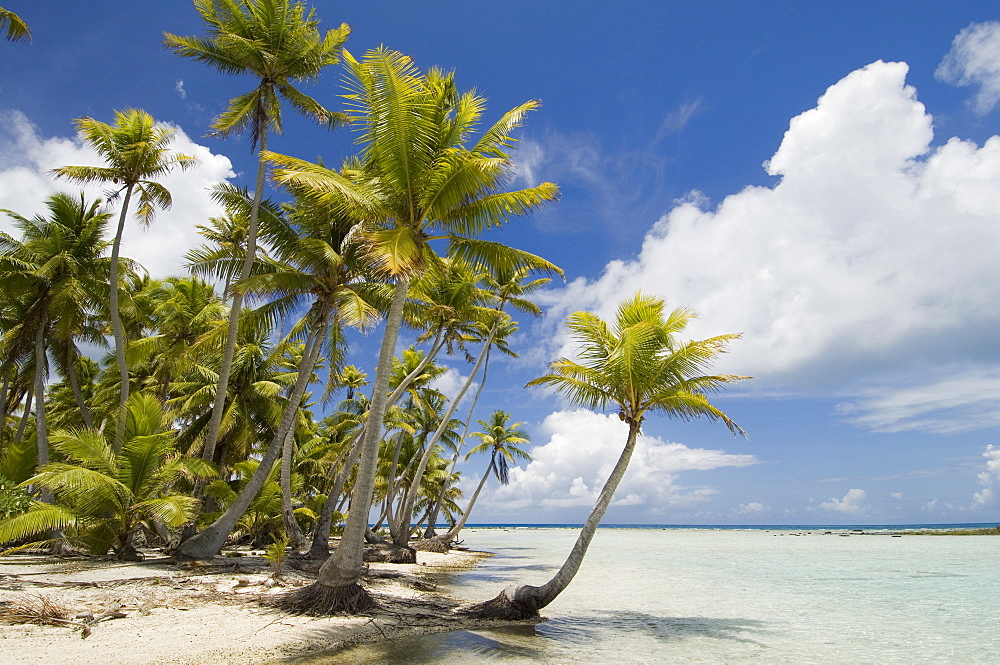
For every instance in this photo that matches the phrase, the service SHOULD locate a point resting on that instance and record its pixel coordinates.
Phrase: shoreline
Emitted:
(212, 612)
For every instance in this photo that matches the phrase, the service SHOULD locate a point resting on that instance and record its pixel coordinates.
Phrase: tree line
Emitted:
(197, 427)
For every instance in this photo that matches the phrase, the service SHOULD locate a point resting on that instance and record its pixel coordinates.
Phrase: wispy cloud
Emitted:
(179, 88)
(964, 401)
(678, 119)
(974, 60)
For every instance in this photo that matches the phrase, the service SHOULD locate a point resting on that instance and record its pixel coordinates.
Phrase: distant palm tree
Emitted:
(501, 440)
(352, 378)
(17, 29)
(636, 365)
(279, 43)
(136, 151)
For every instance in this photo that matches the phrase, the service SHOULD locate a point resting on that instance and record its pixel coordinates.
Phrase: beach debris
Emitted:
(43, 611)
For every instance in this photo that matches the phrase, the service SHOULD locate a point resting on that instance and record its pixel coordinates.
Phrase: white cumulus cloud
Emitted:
(974, 60)
(988, 478)
(751, 508)
(873, 252)
(25, 184)
(852, 503)
(571, 467)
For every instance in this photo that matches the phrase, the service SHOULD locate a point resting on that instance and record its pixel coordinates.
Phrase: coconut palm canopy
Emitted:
(818, 182)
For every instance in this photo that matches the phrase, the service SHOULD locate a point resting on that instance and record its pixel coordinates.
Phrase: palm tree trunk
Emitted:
(25, 416)
(320, 548)
(338, 588)
(296, 539)
(236, 308)
(432, 516)
(116, 324)
(74, 383)
(411, 495)
(3, 403)
(522, 602)
(210, 541)
(453, 532)
(41, 431)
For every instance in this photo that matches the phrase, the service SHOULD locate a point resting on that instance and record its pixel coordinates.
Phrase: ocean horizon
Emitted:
(757, 527)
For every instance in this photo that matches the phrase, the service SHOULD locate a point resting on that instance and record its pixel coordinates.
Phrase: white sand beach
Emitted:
(208, 612)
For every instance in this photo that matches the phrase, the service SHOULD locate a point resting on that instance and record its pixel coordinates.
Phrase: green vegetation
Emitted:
(988, 531)
(201, 426)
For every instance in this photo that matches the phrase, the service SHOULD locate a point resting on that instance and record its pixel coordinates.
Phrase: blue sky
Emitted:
(820, 177)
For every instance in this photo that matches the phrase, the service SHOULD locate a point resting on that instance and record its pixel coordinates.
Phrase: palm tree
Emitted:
(508, 286)
(279, 43)
(136, 152)
(352, 378)
(17, 29)
(56, 274)
(417, 180)
(106, 497)
(314, 264)
(501, 440)
(636, 365)
(184, 310)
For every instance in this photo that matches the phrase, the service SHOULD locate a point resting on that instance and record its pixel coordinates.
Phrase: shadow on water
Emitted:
(580, 639)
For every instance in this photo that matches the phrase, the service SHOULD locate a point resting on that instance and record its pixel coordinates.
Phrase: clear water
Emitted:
(728, 596)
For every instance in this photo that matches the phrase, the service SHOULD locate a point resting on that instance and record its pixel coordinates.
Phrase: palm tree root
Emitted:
(390, 553)
(322, 600)
(504, 608)
(434, 544)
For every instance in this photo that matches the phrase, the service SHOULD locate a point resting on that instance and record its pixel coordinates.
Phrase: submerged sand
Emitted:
(209, 612)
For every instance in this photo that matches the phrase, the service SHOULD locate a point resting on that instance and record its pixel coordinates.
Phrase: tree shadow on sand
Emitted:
(551, 641)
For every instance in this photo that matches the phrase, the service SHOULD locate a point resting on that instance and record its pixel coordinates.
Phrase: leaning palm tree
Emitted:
(17, 30)
(636, 366)
(417, 180)
(279, 43)
(501, 439)
(136, 151)
(507, 287)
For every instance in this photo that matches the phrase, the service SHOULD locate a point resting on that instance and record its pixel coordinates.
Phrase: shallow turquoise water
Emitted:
(734, 597)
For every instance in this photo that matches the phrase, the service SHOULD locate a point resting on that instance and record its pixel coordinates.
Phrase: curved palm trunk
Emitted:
(296, 539)
(236, 308)
(406, 511)
(41, 431)
(432, 514)
(74, 383)
(208, 543)
(116, 324)
(338, 588)
(23, 424)
(523, 602)
(453, 532)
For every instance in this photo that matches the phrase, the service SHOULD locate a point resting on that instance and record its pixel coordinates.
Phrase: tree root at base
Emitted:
(503, 608)
(322, 600)
(435, 544)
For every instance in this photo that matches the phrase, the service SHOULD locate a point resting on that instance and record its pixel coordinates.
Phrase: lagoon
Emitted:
(734, 596)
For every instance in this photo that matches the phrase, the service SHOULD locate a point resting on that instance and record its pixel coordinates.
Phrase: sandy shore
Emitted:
(209, 613)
